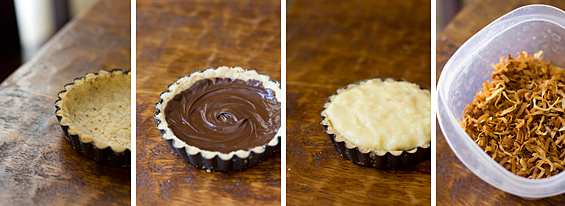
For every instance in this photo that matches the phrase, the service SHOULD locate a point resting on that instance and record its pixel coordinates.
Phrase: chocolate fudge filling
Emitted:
(224, 115)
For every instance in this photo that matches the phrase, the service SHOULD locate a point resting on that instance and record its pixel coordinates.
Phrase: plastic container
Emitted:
(529, 28)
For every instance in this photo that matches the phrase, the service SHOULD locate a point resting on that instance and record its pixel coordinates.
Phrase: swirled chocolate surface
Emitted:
(224, 114)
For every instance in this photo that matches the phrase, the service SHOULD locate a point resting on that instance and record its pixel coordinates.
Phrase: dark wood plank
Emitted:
(173, 39)
(457, 185)
(329, 45)
(37, 165)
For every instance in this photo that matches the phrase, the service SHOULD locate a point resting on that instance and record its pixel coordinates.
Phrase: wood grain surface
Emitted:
(329, 45)
(37, 165)
(173, 39)
(457, 185)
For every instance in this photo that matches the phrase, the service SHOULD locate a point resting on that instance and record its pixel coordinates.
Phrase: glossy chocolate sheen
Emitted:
(224, 115)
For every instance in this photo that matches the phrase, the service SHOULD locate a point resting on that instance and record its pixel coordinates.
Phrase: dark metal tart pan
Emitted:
(371, 158)
(212, 161)
(105, 156)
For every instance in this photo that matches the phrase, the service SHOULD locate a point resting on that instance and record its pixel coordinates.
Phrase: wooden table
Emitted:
(174, 39)
(329, 45)
(37, 165)
(457, 185)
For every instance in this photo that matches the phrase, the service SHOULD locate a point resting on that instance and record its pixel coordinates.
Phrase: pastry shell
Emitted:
(94, 147)
(380, 159)
(213, 160)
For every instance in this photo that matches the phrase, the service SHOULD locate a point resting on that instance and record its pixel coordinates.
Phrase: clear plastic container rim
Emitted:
(541, 11)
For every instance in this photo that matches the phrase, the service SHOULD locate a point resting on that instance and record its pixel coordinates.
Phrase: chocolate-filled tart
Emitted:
(377, 123)
(221, 119)
(94, 112)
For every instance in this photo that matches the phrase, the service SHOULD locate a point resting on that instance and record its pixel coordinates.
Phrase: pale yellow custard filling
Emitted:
(383, 115)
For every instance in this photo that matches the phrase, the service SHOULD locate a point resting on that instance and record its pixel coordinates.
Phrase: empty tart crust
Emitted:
(215, 160)
(94, 112)
(380, 159)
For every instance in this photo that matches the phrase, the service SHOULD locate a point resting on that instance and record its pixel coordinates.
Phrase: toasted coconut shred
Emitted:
(518, 118)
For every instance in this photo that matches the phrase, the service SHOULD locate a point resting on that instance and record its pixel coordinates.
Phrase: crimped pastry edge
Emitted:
(380, 159)
(116, 156)
(247, 157)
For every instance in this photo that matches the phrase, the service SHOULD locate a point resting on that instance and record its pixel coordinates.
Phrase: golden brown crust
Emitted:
(96, 107)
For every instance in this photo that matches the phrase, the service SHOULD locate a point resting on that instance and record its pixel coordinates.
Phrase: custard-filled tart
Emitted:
(380, 123)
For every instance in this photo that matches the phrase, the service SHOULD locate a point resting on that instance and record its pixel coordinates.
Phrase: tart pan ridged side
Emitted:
(215, 163)
(371, 158)
(218, 164)
(105, 156)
